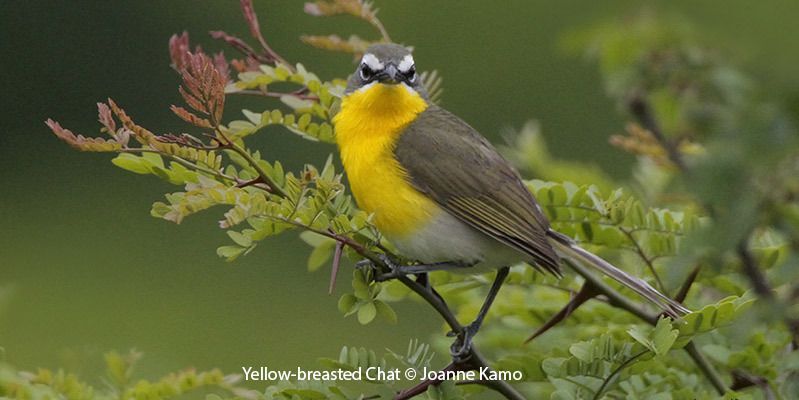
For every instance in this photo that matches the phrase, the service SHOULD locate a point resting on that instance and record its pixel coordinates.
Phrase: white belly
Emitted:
(447, 239)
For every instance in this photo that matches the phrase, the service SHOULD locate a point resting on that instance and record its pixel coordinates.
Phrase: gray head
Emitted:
(388, 64)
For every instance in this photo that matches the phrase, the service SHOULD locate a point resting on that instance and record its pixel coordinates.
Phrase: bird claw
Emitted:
(396, 270)
(364, 264)
(461, 348)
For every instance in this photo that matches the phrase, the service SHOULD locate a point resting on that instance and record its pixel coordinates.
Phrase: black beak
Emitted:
(389, 75)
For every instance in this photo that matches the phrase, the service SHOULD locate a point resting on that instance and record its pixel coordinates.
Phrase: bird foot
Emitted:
(394, 273)
(461, 348)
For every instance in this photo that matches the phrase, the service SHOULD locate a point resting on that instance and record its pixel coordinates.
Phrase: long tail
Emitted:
(567, 248)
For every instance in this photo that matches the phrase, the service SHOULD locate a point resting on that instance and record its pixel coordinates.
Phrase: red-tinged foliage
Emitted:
(246, 64)
(221, 64)
(191, 118)
(237, 44)
(184, 139)
(179, 50)
(81, 142)
(105, 118)
(141, 134)
(203, 87)
(251, 18)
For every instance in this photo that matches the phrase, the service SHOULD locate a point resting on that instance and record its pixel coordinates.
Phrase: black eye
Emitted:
(366, 73)
(410, 76)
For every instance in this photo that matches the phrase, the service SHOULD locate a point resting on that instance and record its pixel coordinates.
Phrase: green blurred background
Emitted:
(84, 269)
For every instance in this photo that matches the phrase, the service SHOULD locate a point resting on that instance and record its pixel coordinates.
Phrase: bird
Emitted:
(440, 192)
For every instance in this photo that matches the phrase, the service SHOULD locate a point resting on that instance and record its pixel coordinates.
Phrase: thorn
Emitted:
(587, 292)
(334, 269)
(242, 183)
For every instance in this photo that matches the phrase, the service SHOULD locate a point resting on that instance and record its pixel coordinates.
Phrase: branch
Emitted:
(642, 111)
(618, 300)
(750, 269)
(640, 251)
(181, 161)
(229, 144)
(706, 367)
(298, 95)
(240, 45)
(255, 30)
(686, 286)
(473, 361)
(615, 372)
(500, 386)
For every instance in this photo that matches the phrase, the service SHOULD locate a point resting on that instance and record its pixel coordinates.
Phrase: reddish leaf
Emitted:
(247, 64)
(179, 50)
(203, 86)
(221, 64)
(239, 45)
(141, 134)
(80, 142)
(190, 118)
(252, 19)
(105, 118)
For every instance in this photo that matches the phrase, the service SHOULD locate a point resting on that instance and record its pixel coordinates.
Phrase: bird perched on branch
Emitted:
(440, 192)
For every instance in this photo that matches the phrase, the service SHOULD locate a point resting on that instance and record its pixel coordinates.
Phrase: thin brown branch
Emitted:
(187, 140)
(686, 286)
(499, 386)
(277, 94)
(642, 111)
(267, 180)
(648, 261)
(255, 30)
(751, 270)
(618, 300)
(240, 45)
(705, 366)
(181, 161)
(606, 381)
(474, 360)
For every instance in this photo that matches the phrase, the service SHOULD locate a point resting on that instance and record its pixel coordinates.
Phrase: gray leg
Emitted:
(463, 344)
(403, 270)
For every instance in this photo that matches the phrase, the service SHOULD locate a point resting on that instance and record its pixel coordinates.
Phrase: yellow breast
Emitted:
(367, 128)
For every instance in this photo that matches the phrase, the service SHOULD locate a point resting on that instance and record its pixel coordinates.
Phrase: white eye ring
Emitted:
(412, 79)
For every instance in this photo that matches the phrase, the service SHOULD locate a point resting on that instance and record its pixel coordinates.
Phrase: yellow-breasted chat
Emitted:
(440, 192)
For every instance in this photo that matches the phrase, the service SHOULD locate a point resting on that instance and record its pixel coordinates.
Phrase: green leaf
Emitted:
(131, 163)
(313, 239)
(712, 316)
(320, 255)
(346, 304)
(367, 313)
(230, 253)
(659, 339)
(360, 285)
(385, 311)
(240, 239)
(255, 118)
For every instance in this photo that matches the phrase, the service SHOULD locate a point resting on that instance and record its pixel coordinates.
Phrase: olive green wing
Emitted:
(452, 163)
